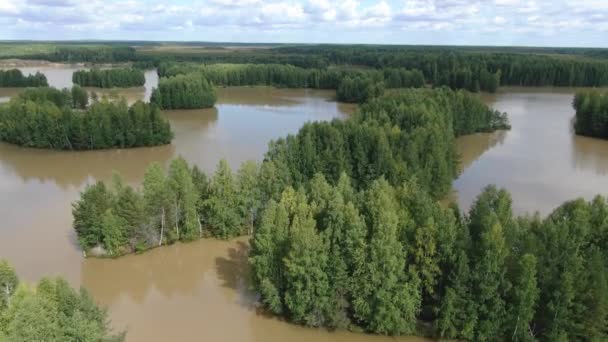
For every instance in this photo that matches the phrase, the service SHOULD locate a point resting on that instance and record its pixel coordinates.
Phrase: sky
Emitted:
(577, 23)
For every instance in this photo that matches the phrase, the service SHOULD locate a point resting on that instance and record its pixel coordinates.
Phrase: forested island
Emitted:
(49, 311)
(184, 92)
(352, 84)
(591, 113)
(15, 78)
(109, 78)
(60, 119)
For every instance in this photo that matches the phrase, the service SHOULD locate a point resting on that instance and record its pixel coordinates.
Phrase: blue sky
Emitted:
(455, 22)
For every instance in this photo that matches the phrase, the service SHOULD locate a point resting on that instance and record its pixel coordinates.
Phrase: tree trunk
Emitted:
(200, 227)
(8, 294)
(162, 227)
(515, 331)
(177, 218)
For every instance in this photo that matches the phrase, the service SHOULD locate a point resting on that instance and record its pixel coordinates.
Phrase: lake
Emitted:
(199, 290)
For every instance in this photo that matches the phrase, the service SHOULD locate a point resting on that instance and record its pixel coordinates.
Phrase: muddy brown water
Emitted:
(199, 291)
(540, 161)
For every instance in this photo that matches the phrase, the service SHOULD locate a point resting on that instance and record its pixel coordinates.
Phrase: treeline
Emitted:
(89, 54)
(15, 78)
(184, 92)
(109, 78)
(442, 65)
(405, 134)
(352, 85)
(591, 113)
(60, 120)
(387, 258)
(290, 76)
(516, 68)
(50, 311)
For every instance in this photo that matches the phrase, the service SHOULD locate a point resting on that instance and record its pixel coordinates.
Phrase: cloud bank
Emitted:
(483, 22)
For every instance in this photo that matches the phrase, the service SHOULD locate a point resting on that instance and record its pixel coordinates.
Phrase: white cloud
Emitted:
(498, 20)
(520, 20)
(507, 2)
(8, 7)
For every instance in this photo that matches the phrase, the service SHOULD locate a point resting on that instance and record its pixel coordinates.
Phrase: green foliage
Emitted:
(15, 78)
(185, 199)
(80, 98)
(109, 78)
(591, 113)
(359, 89)
(221, 206)
(8, 285)
(184, 92)
(44, 118)
(53, 311)
(182, 205)
(353, 85)
(402, 135)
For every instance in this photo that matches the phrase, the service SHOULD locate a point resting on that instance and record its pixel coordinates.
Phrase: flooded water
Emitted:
(540, 161)
(199, 291)
(186, 292)
(60, 76)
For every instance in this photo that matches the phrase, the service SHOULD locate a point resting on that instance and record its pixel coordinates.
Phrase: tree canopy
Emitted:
(15, 78)
(591, 113)
(184, 92)
(109, 78)
(51, 311)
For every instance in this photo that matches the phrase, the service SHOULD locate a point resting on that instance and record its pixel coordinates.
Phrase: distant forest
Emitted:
(458, 67)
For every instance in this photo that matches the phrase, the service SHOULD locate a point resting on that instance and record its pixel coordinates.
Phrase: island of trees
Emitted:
(591, 113)
(60, 120)
(109, 78)
(184, 92)
(15, 78)
(50, 311)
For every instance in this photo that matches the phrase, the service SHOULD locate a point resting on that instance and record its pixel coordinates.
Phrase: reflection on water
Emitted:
(540, 161)
(590, 154)
(471, 147)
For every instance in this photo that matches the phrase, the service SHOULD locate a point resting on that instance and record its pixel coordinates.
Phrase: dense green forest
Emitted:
(15, 78)
(184, 92)
(387, 258)
(109, 78)
(51, 311)
(591, 113)
(60, 119)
